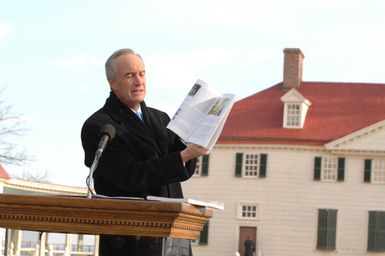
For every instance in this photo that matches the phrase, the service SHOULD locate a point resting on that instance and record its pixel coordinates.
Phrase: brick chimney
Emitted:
(292, 68)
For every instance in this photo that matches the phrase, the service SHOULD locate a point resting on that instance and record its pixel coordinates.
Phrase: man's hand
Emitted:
(193, 151)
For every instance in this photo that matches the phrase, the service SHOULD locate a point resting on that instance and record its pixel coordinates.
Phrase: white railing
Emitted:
(32, 249)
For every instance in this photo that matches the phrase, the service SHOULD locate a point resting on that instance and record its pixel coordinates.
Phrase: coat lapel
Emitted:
(130, 122)
(156, 124)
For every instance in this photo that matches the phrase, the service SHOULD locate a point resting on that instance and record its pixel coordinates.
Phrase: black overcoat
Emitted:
(143, 158)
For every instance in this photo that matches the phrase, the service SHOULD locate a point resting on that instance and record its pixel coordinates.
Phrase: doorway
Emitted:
(245, 232)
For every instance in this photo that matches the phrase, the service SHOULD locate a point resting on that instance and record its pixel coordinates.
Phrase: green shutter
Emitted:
(331, 229)
(262, 165)
(341, 169)
(327, 227)
(238, 164)
(317, 168)
(204, 235)
(376, 231)
(367, 170)
(380, 234)
(322, 224)
(372, 231)
(205, 166)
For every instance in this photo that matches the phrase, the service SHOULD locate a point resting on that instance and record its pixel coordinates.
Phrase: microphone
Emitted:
(107, 133)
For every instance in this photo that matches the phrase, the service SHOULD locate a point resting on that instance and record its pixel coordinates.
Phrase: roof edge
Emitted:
(234, 140)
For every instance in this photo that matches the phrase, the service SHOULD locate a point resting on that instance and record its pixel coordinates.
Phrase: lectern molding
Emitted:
(72, 214)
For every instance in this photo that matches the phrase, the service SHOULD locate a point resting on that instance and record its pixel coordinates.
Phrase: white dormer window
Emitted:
(293, 118)
(295, 109)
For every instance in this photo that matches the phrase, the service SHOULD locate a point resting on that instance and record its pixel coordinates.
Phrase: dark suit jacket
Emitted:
(143, 158)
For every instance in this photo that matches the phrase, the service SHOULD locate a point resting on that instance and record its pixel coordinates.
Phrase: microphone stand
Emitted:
(107, 133)
(90, 180)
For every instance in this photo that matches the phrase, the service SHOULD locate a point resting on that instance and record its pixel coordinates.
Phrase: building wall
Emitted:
(289, 200)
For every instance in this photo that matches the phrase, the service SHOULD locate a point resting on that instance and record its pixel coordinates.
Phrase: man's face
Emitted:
(129, 84)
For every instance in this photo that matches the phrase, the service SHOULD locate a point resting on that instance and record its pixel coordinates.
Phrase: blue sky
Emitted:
(52, 57)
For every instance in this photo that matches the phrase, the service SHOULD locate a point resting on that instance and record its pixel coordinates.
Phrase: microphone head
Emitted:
(108, 129)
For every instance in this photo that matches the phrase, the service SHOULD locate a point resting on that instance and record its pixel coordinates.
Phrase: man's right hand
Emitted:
(193, 151)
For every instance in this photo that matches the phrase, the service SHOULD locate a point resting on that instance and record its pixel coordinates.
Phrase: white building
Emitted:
(24, 242)
(300, 167)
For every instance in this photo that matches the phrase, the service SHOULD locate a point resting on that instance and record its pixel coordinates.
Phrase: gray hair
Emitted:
(110, 63)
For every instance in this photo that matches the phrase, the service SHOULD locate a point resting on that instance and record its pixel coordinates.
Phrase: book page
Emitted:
(117, 197)
(207, 132)
(219, 129)
(196, 104)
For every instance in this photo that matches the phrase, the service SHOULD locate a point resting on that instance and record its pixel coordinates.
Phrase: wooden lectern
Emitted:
(82, 215)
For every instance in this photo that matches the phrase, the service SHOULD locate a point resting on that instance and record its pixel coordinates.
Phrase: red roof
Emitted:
(337, 109)
(3, 173)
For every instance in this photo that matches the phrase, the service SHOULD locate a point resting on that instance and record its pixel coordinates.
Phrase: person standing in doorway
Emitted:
(249, 247)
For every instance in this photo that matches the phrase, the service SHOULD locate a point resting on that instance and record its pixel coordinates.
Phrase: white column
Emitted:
(42, 242)
(37, 250)
(10, 249)
(80, 242)
(96, 245)
(67, 248)
(50, 250)
(17, 242)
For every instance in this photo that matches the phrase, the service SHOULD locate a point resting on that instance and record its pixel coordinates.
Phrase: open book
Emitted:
(202, 115)
(211, 204)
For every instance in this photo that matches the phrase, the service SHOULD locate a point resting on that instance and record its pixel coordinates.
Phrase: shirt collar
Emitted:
(136, 111)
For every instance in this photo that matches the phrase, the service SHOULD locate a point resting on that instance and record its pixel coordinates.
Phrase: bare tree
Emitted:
(36, 176)
(10, 126)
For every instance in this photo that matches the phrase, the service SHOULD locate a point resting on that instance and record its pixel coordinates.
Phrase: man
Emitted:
(249, 246)
(144, 158)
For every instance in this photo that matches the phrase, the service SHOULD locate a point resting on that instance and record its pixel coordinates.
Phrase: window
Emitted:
(374, 170)
(293, 118)
(378, 171)
(198, 167)
(329, 168)
(295, 109)
(250, 165)
(376, 231)
(249, 211)
(202, 166)
(327, 227)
